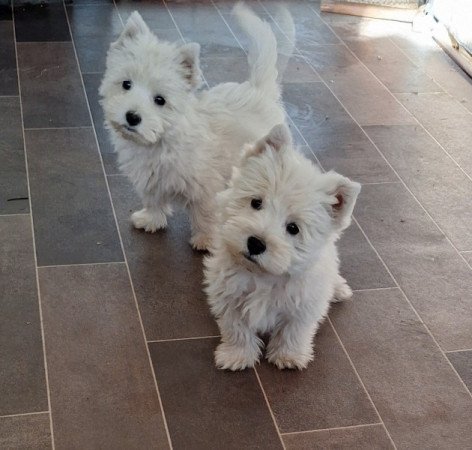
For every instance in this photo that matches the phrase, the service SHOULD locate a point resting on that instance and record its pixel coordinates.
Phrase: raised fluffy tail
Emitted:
(262, 54)
(285, 35)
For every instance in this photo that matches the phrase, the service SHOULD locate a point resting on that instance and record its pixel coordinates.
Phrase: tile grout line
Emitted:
(459, 350)
(373, 183)
(119, 233)
(269, 408)
(35, 413)
(368, 240)
(351, 362)
(375, 289)
(430, 76)
(392, 95)
(53, 266)
(380, 152)
(191, 338)
(347, 427)
(228, 26)
(35, 258)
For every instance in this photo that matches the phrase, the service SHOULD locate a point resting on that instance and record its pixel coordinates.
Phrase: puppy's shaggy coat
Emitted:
(177, 144)
(274, 265)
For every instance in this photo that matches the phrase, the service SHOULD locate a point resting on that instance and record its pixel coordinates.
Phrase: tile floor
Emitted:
(105, 337)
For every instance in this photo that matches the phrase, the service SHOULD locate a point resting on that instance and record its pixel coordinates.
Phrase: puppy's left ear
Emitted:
(189, 59)
(279, 136)
(342, 194)
(134, 27)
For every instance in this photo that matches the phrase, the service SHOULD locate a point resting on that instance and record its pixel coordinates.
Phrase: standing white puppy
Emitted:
(177, 145)
(274, 265)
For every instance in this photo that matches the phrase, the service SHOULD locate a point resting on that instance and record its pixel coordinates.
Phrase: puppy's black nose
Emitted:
(255, 246)
(132, 118)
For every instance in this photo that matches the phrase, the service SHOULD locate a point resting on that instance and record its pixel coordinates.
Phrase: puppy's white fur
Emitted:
(286, 289)
(183, 151)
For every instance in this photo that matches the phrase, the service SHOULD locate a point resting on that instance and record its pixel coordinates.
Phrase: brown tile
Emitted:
(441, 187)
(359, 264)
(438, 65)
(51, 87)
(333, 136)
(372, 437)
(22, 377)
(388, 63)
(207, 407)
(103, 393)
(8, 76)
(41, 22)
(92, 83)
(462, 362)
(326, 395)
(202, 23)
(417, 394)
(447, 121)
(13, 183)
(431, 273)
(73, 218)
(25, 432)
(166, 272)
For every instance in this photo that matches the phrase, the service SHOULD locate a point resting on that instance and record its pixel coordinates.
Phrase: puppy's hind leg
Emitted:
(153, 216)
(202, 218)
(342, 291)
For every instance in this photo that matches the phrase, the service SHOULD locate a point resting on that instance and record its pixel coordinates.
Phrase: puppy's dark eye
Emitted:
(126, 85)
(158, 100)
(256, 203)
(292, 228)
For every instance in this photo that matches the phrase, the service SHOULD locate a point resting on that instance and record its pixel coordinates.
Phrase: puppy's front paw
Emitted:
(149, 221)
(200, 241)
(342, 291)
(232, 357)
(290, 360)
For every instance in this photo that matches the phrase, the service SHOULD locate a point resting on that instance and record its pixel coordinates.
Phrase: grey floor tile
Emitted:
(93, 28)
(202, 23)
(5, 11)
(438, 65)
(462, 362)
(92, 83)
(298, 71)
(417, 394)
(388, 63)
(25, 432)
(359, 264)
(41, 22)
(206, 407)
(166, 272)
(13, 183)
(223, 69)
(8, 75)
(468, 256)
(51, 87)
(72, 212)
(447, 121)
(22, 377)
(334, 137)
(103, 393)
(431, 273)
(153, 12)
(372, 437)
(325, 395)
(441, 187)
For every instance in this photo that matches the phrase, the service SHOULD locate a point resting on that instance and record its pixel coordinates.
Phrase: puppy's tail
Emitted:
(262, 55)
(285, 35)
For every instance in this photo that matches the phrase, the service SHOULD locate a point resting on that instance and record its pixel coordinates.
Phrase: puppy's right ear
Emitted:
(135, 27)
(279, 136)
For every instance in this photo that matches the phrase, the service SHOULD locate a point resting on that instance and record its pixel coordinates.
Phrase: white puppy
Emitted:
(274, 265)
(177, 144)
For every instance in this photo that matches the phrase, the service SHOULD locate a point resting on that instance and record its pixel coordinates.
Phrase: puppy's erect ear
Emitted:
(342, 194)
(279, 136)
(189, 58)
(135, 26)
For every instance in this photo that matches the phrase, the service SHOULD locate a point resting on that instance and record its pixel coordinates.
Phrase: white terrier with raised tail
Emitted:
(274, 265)
(176, 144)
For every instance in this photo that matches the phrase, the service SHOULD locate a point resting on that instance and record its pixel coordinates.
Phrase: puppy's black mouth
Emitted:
(249, 258)
(127, 128)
